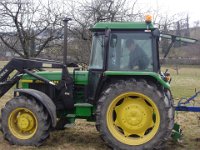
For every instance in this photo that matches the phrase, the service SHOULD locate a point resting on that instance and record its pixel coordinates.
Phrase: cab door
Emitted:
(96, 68)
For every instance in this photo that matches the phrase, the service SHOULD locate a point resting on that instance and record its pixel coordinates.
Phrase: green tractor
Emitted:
(123, 91)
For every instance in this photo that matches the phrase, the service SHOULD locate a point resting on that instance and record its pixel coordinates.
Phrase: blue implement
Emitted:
(183, 101)
(187, 108)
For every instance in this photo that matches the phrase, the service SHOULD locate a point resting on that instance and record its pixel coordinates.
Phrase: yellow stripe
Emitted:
(36, 81)
(27, 81)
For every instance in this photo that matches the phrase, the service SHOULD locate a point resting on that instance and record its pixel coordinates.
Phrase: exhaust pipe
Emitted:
(66, 20)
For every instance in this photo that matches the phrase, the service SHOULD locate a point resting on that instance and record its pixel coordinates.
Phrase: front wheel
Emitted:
(133, 116)
(25, 121)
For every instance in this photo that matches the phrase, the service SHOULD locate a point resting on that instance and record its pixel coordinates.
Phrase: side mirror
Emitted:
(156, 33)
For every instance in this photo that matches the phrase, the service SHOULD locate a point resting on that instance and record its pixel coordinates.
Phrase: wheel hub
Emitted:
(22, 123)
(133, 116)
(25, 122)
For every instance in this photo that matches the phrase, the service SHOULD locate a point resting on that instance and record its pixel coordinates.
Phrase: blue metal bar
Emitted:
(187, 101)
(186, 108)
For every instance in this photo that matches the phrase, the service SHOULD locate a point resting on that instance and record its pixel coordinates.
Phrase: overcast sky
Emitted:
(170, 7)
(190, 7)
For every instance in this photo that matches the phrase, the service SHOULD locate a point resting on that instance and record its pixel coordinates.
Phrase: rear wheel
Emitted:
(134, 116)
(25, 121)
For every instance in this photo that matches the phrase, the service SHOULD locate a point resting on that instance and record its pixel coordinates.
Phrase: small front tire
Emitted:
(25, 121)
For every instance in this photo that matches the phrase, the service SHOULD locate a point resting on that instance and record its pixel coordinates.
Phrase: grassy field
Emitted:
(83, 136)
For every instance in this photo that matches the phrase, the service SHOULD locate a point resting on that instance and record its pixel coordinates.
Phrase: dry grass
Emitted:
(84, 136)
(183, 85)
(81, 136)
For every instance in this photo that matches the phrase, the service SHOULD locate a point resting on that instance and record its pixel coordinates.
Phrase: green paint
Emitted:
(71, 118)
(176, 132)
(81, 77)
(128, 73)
(55, 75)
(121, 25)
(83, 109)
(25, 85)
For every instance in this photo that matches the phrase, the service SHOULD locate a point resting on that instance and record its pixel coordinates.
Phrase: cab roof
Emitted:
(121, 25)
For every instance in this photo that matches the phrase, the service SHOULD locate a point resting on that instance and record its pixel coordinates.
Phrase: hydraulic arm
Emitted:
(13, 71)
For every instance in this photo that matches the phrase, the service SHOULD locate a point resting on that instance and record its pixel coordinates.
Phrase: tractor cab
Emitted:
(127, 49)
(124, 47)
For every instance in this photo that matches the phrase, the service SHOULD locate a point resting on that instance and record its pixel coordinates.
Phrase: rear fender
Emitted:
(138, 74)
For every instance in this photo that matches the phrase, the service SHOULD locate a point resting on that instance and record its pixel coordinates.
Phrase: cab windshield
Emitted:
(130, 51)
(96, 59)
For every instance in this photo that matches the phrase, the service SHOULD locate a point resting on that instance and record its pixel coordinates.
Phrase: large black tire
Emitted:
(114, 134)
(25, 121)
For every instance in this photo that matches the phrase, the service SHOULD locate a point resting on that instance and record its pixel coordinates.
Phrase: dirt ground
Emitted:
(83, 136)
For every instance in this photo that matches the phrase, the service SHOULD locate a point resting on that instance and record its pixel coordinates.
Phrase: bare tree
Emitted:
(187, 24)
(196, 23)
(27, 27)
(86, 13)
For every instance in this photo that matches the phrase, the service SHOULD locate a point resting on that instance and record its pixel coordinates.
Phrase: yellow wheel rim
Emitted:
(133, 118)
(22, 123)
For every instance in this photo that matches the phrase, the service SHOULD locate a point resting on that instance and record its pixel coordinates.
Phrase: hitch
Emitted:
(177, 132)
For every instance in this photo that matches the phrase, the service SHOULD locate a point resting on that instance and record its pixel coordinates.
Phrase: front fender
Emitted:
(43, 99)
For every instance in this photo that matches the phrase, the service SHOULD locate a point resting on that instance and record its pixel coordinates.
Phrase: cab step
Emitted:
(83, 109)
